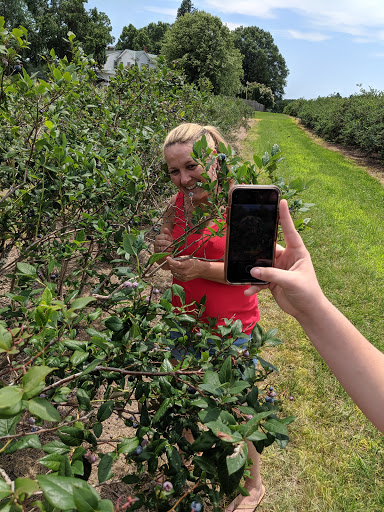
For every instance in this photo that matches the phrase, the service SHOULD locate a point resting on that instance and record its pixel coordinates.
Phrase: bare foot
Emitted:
(247, 503)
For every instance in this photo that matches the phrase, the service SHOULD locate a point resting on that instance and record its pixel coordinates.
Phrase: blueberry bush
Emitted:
(356, 121)
(84, 332)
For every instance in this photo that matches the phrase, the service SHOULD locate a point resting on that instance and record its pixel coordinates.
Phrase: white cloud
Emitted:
(354, 17)
(308, 36)
(161, 10)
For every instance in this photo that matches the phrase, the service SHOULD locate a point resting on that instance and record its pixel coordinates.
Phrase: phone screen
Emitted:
(253, 219)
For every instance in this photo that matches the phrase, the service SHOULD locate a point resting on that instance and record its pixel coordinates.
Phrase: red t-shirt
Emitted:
(223, 300)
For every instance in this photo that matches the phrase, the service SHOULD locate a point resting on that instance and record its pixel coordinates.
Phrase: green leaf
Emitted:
(52, 461)
(71, 436)
(5, 339)
(161, 411)
(58, 490)
(46, 297)
(128, 244)
(105, 410)
(225, 373)
(114, 323)
(275, 426)
(223, 432)
(10, 401)
(26, 269)
(5, 490)
(104, 469)
(43, 409)
(83, 399)
(78, 357)
(157, 256)
(8, 426)
(31, 441)
(56, 446)
(81, 302)
(34, 380)
(238, 458)
(128, 445)
(86, 499)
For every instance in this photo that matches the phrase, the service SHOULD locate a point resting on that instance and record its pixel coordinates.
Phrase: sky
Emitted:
(329, 46)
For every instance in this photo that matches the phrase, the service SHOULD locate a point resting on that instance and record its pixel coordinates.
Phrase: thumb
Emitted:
(167, 231)
(273, 275)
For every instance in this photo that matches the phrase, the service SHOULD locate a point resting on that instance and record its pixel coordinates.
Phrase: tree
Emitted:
(262, 62)
(186, 6)
(150, 37)
(156, 34)
(200, 45)
(49, 21)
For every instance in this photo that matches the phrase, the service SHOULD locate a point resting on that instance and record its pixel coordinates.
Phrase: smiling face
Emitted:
(185, 173)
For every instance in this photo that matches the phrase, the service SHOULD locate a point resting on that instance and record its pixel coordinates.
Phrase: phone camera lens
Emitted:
(248, 268)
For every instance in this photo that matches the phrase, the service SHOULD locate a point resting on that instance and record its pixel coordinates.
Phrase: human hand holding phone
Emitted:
(292, 281)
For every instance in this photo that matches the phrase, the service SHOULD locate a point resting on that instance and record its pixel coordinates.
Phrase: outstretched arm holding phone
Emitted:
(356, 363)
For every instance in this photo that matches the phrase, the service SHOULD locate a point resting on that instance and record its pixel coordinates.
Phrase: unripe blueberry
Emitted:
(32, 421)
(147, 299)
(167, 486)
(249, 416)
(291, 398)
(155, 291)
(144, 442)
(138, 451)
(42, 395)
(272, 393)
(245, 353)
(127, 284)
(92, 459)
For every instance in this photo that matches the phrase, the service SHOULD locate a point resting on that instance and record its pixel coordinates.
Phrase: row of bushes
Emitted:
(355, 121)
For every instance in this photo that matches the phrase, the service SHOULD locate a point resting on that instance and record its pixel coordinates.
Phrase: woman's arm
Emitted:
(357, 364)
(186, 268)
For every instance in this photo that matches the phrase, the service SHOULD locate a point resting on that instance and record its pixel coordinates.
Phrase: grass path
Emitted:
(335, 458)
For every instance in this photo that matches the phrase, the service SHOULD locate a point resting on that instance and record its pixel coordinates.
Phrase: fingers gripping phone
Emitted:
(252, 222)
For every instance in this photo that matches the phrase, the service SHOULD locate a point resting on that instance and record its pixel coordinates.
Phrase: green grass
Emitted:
(335, 458)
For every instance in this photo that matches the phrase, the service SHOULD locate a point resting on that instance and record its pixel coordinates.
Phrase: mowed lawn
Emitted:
(335, 458)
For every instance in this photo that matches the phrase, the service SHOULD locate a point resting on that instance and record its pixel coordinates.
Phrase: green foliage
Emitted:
(49, 22)
(200, 45)
(151, 37)
(356, 121)
(83, 329)
(262, 61)
(185, 7)
(260, 93)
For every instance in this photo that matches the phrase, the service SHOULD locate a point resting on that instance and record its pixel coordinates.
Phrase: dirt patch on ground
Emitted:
(372, 164)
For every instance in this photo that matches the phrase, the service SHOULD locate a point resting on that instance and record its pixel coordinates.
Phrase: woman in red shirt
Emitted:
(203, 273)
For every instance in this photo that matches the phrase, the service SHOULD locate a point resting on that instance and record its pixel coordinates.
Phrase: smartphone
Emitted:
(252, 222)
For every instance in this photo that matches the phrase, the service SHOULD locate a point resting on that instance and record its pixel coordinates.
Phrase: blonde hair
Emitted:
(188, 133)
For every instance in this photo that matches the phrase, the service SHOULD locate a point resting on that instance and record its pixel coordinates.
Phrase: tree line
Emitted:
(244, 62)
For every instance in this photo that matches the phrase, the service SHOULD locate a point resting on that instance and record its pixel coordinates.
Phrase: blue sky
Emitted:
(329, 46)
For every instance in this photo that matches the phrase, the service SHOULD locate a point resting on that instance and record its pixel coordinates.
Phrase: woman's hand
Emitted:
(185, 268)
(292, 280)
(163, 241)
